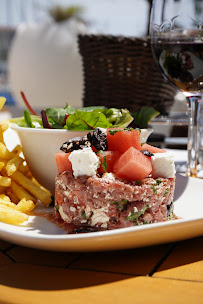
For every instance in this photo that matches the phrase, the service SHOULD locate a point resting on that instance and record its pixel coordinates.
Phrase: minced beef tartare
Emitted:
(107, 200)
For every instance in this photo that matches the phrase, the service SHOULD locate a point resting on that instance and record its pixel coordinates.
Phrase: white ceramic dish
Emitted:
(39, 233)
(46, 143)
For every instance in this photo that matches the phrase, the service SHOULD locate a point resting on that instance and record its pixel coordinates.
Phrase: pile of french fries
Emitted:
(19, 190)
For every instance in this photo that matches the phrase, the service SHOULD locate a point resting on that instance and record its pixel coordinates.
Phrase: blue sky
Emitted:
(116, 17)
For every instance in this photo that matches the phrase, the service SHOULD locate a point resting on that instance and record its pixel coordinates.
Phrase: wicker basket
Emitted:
(120, 72)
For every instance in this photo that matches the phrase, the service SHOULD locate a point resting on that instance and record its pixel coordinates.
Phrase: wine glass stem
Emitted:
(193, 104)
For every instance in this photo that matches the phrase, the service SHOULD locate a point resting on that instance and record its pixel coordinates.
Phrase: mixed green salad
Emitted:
(86, 118)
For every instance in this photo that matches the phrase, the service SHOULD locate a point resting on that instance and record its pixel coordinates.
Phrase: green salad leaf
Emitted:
(82, 120)
(56, 116)
(21, 122)
(86, 118)
(92, 108)
(28, 119)
(144, 116)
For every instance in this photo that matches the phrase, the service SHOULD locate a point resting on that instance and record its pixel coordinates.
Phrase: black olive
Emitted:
(147, 153)
(83, 230)
(169, 208)
(75, 143)
(99, 140)
(113, 220)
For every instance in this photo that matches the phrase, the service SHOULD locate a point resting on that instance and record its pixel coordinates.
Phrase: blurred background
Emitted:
(32, 20)
(39, 53)
(128, 17)
(39, 49)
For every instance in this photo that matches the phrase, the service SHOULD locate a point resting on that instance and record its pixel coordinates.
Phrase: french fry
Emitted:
(5, 197)
(20, 192)
(12, 216)
(7, 203)
(12, 196)
(26, 183)
(38, 184)
(3, 189)
(2, 164)
(13, 164)
(5, 153)
(1, 138)
(23, 168)
(2, 102)
(17, 150)
(4, 125)
(25, 205)
(5, 181)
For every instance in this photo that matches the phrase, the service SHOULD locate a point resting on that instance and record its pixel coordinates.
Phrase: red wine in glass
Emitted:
(176, 30)
(181, 60)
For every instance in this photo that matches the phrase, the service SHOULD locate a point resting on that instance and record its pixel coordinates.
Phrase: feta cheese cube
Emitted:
(163, 165)
(84, 162)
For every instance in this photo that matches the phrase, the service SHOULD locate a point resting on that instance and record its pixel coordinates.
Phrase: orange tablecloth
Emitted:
(169, 273)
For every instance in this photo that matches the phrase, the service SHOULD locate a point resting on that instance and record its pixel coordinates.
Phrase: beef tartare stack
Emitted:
(109, 180)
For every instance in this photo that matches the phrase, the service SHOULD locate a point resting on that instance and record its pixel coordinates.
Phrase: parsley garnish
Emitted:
(171, 216)
(138, 182)
(56, 207)
(167, 191)
(83, 215)
(158, 182)
(121, 206)
(134, 216)
(104, 162)
(154, 189)
(112, 132)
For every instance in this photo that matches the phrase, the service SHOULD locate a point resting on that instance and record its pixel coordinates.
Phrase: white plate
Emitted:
(188, 202)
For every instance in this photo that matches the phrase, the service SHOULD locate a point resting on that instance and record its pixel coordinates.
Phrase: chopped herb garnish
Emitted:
(167, 191)
(158, 182)
(134, 216)
(104, 162)
(154, 189)
(83, 215)
(171, 216)
(145, 223)
(138, 182)
(56, 207)
(121, 206)
(112, 132)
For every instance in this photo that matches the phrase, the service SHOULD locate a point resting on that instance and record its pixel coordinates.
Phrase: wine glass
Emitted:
(176, 30)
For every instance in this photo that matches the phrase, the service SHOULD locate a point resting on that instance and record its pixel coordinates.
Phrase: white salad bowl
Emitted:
(39, 148)
(40, 145)
(145, 133)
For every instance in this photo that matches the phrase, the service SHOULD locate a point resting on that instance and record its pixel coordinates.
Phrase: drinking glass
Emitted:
(176, 30)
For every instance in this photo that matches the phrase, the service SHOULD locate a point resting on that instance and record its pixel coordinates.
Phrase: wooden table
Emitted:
(167, 273)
